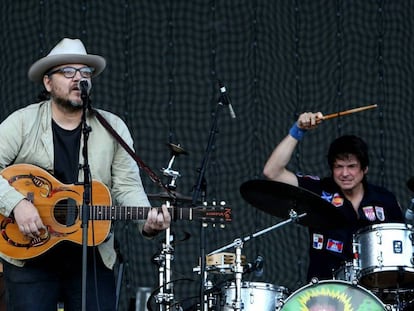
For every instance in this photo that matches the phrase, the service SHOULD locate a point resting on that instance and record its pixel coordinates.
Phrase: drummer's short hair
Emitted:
(347, 145)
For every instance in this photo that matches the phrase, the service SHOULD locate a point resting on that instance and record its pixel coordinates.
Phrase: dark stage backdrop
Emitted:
(276, 59)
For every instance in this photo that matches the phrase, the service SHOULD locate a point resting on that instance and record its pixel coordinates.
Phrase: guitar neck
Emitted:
(216, 214)
(98, 212)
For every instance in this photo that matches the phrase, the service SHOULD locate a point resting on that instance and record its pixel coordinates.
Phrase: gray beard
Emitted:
(67, 105)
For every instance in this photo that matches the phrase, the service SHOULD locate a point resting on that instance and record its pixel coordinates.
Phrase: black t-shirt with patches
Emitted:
(330, 249)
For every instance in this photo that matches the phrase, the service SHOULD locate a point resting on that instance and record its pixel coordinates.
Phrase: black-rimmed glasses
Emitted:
(70, 72)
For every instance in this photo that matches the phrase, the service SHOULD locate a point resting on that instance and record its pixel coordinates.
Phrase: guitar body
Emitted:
(58, 206)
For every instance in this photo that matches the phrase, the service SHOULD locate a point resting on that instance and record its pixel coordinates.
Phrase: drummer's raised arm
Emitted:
(275, 167)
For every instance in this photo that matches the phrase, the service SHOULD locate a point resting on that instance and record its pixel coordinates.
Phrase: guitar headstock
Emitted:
(215, 213)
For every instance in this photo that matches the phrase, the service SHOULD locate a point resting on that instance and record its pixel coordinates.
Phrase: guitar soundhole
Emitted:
(66, 212)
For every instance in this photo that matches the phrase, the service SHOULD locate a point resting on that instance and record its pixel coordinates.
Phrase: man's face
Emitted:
(348, 173)
(65, 90)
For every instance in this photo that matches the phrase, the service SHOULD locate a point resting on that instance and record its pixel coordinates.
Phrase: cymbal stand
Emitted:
(293, 217)
(166, 293)
(238, 244)
(238, 272)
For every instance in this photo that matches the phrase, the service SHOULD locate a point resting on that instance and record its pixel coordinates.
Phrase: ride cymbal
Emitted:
(278, 199)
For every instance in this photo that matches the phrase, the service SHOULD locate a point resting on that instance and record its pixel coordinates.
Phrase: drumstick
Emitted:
(345, 112)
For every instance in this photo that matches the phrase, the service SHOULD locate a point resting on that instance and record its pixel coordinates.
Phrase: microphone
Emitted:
(258, 266)
(409, 213)
(226, 99)
(84, 86)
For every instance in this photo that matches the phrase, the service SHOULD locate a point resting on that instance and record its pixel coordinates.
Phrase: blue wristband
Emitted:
(296, 132)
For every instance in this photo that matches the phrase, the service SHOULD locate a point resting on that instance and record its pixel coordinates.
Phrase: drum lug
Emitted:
(314, 280)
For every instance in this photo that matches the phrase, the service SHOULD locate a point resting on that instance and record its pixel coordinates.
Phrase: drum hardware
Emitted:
(346, 272)
(236, 302)
(165, 296)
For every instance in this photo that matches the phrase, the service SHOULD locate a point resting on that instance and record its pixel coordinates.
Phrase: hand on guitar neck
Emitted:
(157, 221)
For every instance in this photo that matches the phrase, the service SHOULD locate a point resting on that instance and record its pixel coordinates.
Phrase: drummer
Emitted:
(362, 204)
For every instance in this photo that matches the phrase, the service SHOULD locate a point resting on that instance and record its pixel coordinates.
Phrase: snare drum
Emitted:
(332, 295)
(384, 255)
(254, 296)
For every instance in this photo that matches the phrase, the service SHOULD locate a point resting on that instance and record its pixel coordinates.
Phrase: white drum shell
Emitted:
(254, 296)
(385, 255)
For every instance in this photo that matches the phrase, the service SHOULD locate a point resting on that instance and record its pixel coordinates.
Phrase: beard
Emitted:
(67, 105)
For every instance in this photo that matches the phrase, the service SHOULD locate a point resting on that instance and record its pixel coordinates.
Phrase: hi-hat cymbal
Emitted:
(171, 196)
(278, 199)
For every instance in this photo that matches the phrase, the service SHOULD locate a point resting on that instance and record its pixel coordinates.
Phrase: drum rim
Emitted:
(267, 285)
(385, 225)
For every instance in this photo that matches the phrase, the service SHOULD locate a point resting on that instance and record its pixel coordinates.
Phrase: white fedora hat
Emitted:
(67, 51)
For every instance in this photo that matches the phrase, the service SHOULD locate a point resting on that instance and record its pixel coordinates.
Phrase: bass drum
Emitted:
(254, 296)
(332, 295)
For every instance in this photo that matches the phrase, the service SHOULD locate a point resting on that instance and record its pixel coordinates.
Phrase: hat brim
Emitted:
(40, 67)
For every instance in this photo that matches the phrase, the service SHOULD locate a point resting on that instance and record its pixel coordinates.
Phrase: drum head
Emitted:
(333, 295)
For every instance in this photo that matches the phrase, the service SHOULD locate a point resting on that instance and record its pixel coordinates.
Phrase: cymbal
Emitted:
(278, 199)
(176, 149)
(172, 196)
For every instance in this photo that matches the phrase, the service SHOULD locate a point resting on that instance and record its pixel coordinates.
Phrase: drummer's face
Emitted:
(347, 173)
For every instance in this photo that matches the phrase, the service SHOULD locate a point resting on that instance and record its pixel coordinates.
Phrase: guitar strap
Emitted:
(131, 152)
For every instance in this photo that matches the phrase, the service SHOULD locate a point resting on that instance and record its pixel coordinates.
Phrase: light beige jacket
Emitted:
(26, 137)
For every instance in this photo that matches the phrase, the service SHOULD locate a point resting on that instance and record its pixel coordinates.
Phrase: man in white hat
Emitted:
(50, 135)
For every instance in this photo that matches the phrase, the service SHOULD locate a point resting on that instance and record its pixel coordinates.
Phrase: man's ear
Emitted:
(46, 82)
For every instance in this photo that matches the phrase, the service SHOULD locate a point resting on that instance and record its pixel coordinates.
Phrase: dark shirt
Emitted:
(66, 145)
(330, 249)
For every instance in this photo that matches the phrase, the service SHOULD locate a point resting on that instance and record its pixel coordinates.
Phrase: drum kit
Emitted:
(379, 277)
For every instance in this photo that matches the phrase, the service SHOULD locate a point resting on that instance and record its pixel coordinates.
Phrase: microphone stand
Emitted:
(86, 195)
(197, 190)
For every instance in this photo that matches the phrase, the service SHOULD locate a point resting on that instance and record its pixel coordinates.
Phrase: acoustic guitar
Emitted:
(60, 207)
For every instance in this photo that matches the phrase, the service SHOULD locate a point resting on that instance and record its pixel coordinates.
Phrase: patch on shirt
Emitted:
(334, 246)
(337, 200)
(379, 211)
(317, 241)
(369, 212)
(327, 196)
